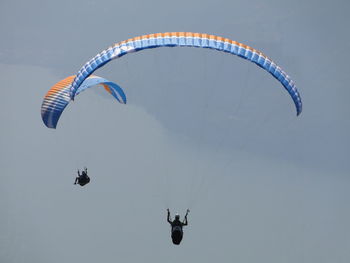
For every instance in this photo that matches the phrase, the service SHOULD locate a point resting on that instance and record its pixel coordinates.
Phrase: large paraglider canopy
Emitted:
(186, 39)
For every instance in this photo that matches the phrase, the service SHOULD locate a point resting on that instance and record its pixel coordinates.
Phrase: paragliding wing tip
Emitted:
(299, 111)
(52, 126)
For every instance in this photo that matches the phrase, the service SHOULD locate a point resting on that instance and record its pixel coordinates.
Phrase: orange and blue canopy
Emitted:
(186, 39)
(57, 98)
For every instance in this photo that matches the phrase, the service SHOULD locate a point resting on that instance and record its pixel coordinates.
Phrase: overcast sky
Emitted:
(202, 130)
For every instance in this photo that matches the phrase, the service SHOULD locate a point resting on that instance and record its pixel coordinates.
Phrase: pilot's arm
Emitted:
(168, 218)
(185, 222)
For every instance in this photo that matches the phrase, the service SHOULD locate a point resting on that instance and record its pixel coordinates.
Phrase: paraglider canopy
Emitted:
(187, 39)
(57, 98)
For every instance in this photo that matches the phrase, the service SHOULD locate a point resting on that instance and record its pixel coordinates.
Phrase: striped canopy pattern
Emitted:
(57, 98)
(187, 39)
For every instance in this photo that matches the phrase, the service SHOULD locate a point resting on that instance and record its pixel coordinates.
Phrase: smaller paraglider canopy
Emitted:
(57, 98)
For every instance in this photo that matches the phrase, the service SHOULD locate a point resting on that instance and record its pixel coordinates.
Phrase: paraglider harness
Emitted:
(176, 228)
(82, 178)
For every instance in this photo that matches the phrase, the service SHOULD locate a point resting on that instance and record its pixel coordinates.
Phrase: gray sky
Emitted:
(201, 129)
